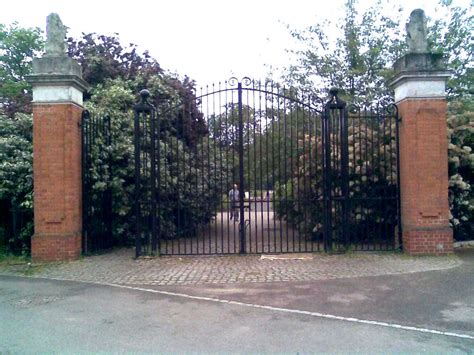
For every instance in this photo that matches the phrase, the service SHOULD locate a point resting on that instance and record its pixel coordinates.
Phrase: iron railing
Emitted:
(97, 203)
(311, 175)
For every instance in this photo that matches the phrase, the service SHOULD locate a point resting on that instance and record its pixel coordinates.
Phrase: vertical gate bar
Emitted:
(279, 175)
(177, 241)
(85, 192)
(382, 221)
(109, 186)
(155, 191)
(137, 184)
(337, 186)
(100, 241)
(216, 248)
(336, 176)
(297, 188)
(88, 163)
(163, 245)
(397, 154)
(214, 153)
(273, 169)
(293, 135)
(285, 167)
(314, 118)
(267, 162)
(93, 230)
(359, 178)
(263, 158)
(370, 177)
(220, 207)
(227, 169)
(305, 188)
(375, 226)
(196, 161)
(366, 115)
(310, 174)
(100, 132)
(235, 173)
(146, 181)
(241, 170)
(234, 141)
(255, 175)
(203, 162)
(353, 210)
(382, 162)
(203, 233)
(345, 174)
(327, 181)
(324, 174)
(248, 171)
(198, 167)
(208, 163)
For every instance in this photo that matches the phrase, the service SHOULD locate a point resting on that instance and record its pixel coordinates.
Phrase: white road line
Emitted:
(296, 311)
(271, 308)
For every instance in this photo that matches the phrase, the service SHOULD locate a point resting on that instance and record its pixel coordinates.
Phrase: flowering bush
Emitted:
(16, 181)
(461, 168)
(372, 174)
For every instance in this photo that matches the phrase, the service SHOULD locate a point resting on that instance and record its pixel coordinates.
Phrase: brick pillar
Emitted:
(420, 95)
(57, 107)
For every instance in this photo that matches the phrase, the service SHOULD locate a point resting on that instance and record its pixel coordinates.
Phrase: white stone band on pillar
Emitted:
(57, 94)
(420, 85)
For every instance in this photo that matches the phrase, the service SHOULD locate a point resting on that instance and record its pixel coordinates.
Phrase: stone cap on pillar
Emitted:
(419, 73)
(56, 78)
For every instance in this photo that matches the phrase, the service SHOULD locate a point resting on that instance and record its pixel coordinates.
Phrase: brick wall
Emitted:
(57, 182)
(424, 177)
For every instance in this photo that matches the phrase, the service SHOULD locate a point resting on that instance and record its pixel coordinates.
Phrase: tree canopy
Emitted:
(18, 46)
(358, 59)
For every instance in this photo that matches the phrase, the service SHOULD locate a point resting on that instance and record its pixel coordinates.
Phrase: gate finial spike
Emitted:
(144, 94)
(333, 92)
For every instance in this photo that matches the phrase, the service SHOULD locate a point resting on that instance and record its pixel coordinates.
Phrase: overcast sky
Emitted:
(208, 40)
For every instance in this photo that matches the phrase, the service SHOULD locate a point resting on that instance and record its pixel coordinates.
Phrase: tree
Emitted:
(451, 35)
(16, 178)
(17, 47)
(359, 62)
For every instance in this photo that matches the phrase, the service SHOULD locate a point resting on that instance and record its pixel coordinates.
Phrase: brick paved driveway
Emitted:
(119, 267)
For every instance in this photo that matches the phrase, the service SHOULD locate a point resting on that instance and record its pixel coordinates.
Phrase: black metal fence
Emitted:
(97, 216)
(274, 171)
(16, 229)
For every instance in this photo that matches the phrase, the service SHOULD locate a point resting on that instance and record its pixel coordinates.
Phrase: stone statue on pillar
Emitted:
(416, 32)
(55, 36)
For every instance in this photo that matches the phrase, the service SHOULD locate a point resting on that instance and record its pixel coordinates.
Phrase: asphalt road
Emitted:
(44, 316)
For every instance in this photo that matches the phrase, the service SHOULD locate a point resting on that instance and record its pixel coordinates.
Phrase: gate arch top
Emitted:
(271, 89)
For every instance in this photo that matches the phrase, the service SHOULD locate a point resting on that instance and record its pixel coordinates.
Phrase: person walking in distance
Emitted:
(234, 201)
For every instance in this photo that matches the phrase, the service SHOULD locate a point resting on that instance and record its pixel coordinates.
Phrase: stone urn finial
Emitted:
(55, 36)
(416, 32)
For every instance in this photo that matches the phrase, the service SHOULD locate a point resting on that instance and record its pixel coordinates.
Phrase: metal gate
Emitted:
(96, 188)
(274, 171)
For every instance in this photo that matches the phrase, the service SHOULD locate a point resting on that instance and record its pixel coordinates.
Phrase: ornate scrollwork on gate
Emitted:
(245, 81)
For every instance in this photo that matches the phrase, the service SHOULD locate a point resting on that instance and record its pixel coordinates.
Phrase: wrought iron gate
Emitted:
(310, 175)
(96, 188)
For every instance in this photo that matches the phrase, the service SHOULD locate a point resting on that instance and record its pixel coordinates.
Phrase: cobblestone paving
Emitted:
(119, 267)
